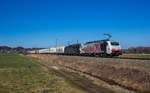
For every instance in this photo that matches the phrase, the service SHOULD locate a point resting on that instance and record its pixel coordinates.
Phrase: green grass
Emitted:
(22, 74)
(136, 55)
(15, 61)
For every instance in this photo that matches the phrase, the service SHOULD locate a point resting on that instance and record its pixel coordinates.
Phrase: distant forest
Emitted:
(145, 50)
(6, 49)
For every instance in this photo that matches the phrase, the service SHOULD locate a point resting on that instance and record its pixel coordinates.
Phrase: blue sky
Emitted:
(38, 23)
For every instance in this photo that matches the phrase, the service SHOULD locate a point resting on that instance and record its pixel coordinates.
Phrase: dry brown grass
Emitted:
(132, 74)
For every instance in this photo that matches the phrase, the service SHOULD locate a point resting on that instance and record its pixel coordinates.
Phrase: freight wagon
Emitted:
(43, 51)
(72, 49)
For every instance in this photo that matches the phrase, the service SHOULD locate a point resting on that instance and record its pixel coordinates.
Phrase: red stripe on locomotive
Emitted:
(116, 50)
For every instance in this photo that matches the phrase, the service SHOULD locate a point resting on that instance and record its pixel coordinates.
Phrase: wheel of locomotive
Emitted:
(104, 55)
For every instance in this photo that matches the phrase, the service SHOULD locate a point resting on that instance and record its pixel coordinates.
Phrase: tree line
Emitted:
(145, 50)
(6, 49)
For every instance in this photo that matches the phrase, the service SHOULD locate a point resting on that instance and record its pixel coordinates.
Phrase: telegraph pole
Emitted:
(56, 42)
(77, 41)
(68, 43)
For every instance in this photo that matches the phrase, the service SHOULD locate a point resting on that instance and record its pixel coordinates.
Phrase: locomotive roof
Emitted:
(75, 44)
(98, 41)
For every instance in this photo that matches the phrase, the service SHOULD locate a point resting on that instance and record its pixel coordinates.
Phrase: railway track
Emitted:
(96, 56)
(132, 58)
(119, 58)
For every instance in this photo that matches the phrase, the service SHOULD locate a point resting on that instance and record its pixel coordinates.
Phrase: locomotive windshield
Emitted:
(115, 43)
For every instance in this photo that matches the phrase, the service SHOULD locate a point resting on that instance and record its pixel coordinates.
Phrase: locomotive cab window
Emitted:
(115, 43)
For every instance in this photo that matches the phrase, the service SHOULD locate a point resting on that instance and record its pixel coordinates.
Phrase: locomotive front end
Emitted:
(114, 48)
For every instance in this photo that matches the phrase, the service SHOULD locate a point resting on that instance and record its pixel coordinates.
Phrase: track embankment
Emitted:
(130, 74)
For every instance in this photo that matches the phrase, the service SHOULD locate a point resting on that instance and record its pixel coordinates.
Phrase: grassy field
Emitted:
(135, 56)
(22, 74)
(25, 74)
(129, 73)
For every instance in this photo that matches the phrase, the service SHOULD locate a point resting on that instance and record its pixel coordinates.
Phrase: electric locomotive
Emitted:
(101, 48)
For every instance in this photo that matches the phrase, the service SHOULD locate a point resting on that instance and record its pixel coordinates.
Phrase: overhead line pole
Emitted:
(77, 41)
(56, 44)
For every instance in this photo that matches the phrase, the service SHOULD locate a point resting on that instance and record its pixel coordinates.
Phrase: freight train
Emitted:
(102, 48)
